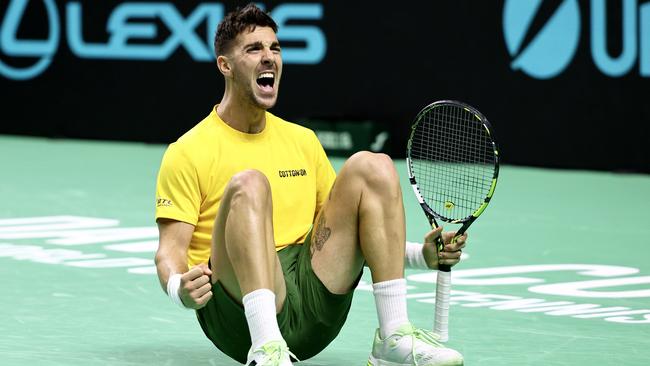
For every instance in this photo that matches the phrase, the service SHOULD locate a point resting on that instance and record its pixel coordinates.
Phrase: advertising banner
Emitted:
(565, 83)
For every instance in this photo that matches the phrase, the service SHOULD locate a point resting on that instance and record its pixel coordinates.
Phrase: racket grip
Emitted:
(441, 318)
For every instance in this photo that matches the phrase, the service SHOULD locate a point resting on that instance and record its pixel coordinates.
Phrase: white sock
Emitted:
(259, 307)
(390, 299)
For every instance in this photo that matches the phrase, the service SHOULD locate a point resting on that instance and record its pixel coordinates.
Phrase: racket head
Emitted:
(452, 161)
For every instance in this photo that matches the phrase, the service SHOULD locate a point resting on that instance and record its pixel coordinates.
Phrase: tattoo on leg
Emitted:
(321, 235)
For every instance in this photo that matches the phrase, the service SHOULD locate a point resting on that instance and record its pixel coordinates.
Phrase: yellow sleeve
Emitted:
(178, 195)
(325, 175)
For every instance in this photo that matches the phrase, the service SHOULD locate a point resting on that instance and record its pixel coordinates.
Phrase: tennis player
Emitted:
(259, 235)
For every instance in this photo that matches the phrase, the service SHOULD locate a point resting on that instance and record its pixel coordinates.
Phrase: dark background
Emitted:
(384, 62)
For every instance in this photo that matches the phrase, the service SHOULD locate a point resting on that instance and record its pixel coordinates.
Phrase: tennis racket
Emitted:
(453, 165)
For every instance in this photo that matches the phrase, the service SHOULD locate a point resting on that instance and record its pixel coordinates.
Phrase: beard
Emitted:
(250, 94)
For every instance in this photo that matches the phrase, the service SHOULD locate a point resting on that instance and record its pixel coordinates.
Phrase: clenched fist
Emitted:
(196, 287)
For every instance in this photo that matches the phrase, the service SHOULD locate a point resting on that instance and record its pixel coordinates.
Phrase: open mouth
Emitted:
(265, 81)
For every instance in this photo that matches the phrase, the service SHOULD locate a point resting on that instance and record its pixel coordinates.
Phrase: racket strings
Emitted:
(452, 156)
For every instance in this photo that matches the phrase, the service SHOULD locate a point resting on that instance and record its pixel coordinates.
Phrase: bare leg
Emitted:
(243, 249)
(363, 220)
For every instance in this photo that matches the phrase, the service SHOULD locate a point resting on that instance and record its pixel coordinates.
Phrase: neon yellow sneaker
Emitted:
(274, 353)
(410, 346)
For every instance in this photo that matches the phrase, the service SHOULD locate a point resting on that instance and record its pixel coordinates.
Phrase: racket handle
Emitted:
(441, 318)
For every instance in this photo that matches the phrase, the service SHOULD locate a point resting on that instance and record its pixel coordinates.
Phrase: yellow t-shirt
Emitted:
(196, 169)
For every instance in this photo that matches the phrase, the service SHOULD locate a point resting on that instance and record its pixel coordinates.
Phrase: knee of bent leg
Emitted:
(249, 186)
(377, 170)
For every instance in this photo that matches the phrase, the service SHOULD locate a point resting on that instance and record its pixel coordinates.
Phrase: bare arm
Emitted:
(171, 258)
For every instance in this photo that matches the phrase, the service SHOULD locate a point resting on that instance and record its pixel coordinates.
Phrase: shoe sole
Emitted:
(377, 362)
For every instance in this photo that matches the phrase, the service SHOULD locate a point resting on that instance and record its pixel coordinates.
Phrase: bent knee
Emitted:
(248, 179)
(376, 169)
(248, 185)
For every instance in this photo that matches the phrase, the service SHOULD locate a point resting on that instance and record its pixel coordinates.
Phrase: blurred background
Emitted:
(566, 83)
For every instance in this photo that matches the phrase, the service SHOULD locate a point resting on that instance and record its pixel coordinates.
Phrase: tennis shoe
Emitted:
(274, 353)
(410, 346)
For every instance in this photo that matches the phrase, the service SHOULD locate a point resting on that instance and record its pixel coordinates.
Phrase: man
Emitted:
(237, 197)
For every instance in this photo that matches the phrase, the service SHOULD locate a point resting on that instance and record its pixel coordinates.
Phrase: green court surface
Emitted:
(557, 273)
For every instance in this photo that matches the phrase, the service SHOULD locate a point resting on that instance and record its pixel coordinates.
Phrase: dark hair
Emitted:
(237, 21)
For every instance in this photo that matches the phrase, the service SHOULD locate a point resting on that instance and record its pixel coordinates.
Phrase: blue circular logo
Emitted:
(12, 46)
(546, 52)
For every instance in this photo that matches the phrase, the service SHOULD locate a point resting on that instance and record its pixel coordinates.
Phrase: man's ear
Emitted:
(223, 63)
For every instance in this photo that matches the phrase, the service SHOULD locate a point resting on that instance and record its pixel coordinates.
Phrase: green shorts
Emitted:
(310, 319)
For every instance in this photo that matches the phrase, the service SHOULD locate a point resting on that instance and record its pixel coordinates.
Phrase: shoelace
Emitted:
(273, 352)
(425, 336)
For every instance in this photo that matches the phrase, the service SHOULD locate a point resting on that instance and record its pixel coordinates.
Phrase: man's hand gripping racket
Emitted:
(453, 166)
